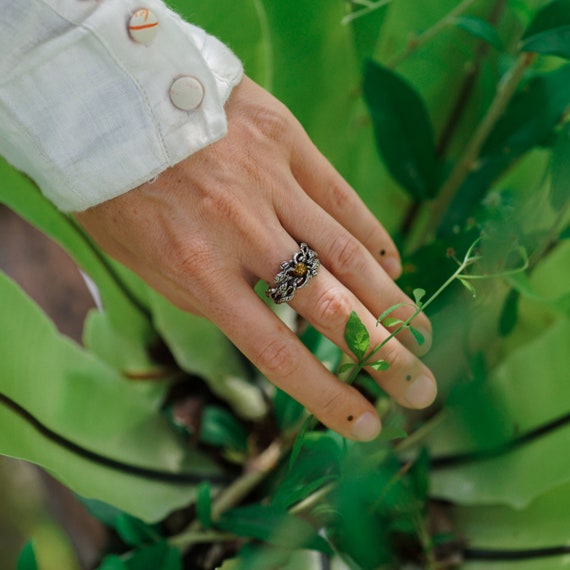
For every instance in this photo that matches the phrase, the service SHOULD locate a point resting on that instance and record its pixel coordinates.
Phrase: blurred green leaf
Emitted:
(392, 321)
(469, 286)
(323, 349)
(71, 413)
(560, 169)
(27, 558)
(517, 403)
(272, 524)
(135, 532)
(403, 130)
(417, 335)
(204, 504)
(565, 233)
(418, 294)
(509, 313)
(287, 410)
(220, 428)
(345, 367)
(481, 29)
(113, 562)
(527, 122)
(156, 556)
(366, 29)
(356, 336)
(549, 31)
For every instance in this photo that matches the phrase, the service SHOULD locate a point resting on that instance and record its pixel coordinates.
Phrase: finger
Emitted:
(327, 304)
(327, 187)
(354, 266)
(283, 359)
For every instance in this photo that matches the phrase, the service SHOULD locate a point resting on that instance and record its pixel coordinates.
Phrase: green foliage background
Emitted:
(494, 446)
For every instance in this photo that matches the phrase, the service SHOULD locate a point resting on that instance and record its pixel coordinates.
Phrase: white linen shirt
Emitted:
(87, 111)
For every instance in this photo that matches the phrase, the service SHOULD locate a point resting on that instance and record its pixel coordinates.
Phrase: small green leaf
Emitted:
(565, 233)
(204, 504)
(220, 428)
(417, 335)
(356, 336)
(549, 31)
(156, 556)
(134, 531)
(345, 367)
(403, 131)
(272, 524)
(391, 322)
(480, 29)
(390, 433)
(391, 310)
(27, 558)
(509, 314)
(560, 170)
(379, 365)
(112, 562)
(469, 286)
(418, 294)
(287, 410)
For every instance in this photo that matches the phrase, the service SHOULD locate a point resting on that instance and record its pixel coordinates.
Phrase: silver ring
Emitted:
(294, 274)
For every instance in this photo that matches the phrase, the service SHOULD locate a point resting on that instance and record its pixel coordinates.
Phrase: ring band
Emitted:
(294, 274)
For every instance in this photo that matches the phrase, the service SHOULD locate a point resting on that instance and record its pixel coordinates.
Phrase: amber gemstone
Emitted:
(300, 269)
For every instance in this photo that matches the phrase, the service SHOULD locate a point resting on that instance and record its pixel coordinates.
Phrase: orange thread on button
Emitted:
(143, 27)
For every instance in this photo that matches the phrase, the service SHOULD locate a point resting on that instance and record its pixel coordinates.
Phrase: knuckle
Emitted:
(347, 255)
(278, 357)
(332, 309)
(271, 123)
(340, 196)
(191, 262)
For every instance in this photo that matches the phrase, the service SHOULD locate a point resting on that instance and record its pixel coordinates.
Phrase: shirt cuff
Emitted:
(97, 97)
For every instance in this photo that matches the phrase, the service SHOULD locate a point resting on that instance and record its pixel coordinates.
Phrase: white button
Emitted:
(186, 93)
(143, 26)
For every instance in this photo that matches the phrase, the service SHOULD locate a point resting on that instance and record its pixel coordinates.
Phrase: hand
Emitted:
(209, 228)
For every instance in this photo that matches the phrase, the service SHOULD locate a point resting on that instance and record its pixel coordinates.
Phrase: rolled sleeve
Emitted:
(87, 111)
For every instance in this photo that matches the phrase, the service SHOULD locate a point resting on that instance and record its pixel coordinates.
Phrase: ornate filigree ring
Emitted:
(294, 274)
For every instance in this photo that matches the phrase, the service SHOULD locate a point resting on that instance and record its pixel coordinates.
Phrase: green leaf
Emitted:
(379, 365)
(560, 170)
(480, 29)
(356, 336)
(299, 440)
(391, 310)
(366, 28)
(135, 532)
(323, 349)
(468, 285)
(403, 131)
(112, 562)
(156, 556)
(287, 410)
(345, 367)
(390, 433)
(66, 410)
(549, 31)
(27, 558)
(521, 404)
(221, 429)
(272, 524)
(418, 294)
(204, 504)
(509, 314)
(528, 121)
(565, 233)
(392, 321)
(417, 335)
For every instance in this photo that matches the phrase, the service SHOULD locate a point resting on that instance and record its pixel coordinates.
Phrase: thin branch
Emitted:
(421, 39)
(369, 7)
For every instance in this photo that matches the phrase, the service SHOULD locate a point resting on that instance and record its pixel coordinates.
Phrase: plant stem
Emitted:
(368, 8)
(422, 432)
(419, 40)
(464, 165)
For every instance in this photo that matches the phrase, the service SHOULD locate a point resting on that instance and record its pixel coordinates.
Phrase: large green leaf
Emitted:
(503, 530)
(531, 388)
(549, 31)
(403, 131)
(66, 410)
(560, 170)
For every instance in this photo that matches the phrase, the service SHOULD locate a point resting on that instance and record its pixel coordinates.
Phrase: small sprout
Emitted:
(418, 294)
(468, 286)
(417, 335)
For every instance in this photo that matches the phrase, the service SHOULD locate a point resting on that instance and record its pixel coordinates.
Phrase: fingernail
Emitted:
(366, 427)
(421, 392)
(392, 266)
(424, 348)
